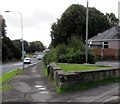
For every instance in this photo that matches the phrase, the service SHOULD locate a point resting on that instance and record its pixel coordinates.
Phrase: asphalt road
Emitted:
(32, 86)
(8, 67)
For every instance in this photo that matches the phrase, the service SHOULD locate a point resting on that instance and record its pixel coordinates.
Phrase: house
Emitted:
(106, 45)
(107, 39)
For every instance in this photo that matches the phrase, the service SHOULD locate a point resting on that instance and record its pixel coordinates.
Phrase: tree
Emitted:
(113, 21)
(3, 25)
(73, 22)
(18, 44)
(36, 46)
(9, 51)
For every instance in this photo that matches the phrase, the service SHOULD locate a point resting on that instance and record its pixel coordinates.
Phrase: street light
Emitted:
(86, 49)
(21, 33)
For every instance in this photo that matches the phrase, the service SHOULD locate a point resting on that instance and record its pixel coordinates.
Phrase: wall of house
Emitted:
(114, 44)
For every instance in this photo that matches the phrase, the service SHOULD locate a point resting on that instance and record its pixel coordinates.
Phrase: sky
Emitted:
(38, 16)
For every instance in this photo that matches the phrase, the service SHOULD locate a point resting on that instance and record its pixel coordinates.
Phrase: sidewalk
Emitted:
(32, 86)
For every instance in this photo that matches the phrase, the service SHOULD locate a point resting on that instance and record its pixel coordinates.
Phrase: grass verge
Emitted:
(5, 77)
(88, 85)
(44, 68)
(5, 87)
(74, 67)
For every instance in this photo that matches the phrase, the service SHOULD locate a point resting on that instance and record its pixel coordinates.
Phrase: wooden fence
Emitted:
(107, 53)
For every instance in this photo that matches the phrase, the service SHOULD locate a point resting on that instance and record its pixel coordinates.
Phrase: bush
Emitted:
(91, 58)
(79, 57)
(50, 57)
(72, 53)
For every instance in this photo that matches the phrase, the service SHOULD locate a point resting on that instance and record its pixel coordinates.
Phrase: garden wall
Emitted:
(66, 79)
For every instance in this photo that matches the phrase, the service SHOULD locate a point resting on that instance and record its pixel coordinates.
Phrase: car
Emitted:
(39, 57)
(27, 60)
(34, 56)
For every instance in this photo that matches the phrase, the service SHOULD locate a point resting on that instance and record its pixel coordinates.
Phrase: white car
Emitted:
(39, 57)
(27, 60)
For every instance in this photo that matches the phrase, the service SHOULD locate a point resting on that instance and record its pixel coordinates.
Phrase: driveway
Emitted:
(108, 63)
(32, 86)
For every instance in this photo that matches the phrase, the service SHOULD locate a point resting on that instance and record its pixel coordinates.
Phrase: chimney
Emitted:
(119, 12)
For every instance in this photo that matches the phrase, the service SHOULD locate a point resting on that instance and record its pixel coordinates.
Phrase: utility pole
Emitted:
(21, 34)
(86, 47)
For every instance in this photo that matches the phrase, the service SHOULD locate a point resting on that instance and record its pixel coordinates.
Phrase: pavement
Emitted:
(32, 86)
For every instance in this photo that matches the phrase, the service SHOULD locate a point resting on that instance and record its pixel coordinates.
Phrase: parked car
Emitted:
(39, 57)
(27, 60)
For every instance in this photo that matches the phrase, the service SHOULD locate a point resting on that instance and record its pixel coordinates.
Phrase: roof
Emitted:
(110, 34)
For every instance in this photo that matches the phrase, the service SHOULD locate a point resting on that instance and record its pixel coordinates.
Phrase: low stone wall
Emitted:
(66, 79)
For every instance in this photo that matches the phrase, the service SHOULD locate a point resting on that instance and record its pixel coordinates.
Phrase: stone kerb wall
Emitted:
(66, 79)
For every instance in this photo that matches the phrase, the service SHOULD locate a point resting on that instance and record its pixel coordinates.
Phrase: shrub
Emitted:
(50, 57)
(72, 53)
(78, 57)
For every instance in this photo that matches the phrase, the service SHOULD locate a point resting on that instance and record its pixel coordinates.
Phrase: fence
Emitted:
(107, 53)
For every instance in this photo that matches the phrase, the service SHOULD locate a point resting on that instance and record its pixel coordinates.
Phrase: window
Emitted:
(106, 45)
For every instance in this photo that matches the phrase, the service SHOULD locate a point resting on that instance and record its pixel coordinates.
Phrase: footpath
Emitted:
(32, 86)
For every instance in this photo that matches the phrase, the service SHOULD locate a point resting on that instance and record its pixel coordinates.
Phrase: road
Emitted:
(8, 67)
(32, 86)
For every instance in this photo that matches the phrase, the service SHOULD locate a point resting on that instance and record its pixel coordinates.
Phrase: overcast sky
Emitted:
(38, 15)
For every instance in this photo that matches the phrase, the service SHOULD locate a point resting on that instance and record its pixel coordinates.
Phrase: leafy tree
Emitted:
(73, 22)
(72, 53)
(3, 25)
(18, 44)
(36, 46)
(29, 47)
(112, 19)
(9, 51)
(39, 45)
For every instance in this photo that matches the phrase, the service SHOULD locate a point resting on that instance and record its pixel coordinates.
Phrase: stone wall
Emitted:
(66, 79)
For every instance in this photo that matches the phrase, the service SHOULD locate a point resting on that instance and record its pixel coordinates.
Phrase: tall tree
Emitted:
(36, 46)
(73, 22)
(9, 51)
(3, 25)
(112, 19)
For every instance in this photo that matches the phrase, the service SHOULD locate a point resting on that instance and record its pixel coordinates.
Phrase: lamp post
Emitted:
(21, 33)
(86, 49)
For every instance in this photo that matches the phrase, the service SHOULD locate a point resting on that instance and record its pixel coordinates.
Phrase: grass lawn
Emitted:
(71, 67)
